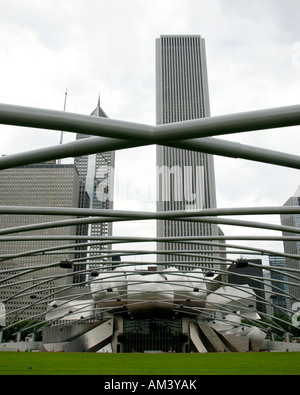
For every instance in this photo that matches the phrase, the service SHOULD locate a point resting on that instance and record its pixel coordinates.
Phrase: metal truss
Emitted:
(199, 135)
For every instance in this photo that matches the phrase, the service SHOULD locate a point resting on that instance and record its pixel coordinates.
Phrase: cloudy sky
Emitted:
(108, 47)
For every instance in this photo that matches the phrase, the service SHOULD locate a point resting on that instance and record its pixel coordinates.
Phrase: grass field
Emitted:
(34, 363)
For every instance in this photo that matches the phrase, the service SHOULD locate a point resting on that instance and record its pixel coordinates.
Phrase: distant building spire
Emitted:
(62, 132)
(65, 103)
(98, 112)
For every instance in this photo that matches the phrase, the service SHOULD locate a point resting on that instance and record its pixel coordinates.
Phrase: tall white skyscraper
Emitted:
(186, 179)
(96, 176)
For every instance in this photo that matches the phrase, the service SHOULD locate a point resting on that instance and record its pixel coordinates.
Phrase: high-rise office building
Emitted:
(25, 293)
(96, 175)
(279, 285)
(292, 247)
(186, 179)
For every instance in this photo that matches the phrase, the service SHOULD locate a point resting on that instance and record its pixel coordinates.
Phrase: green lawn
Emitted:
(34, 363)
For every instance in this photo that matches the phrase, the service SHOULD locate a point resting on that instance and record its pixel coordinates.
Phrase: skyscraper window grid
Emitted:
(182, 94)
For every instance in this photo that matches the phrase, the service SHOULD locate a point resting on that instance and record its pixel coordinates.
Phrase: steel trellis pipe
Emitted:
(138, 215)
(134, 135)
(99, 144)
(204, 127)
(139, 239)
(193, 242)
(90, 220)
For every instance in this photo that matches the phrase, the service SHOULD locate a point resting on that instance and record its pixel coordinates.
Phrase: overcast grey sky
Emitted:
(108, 47)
